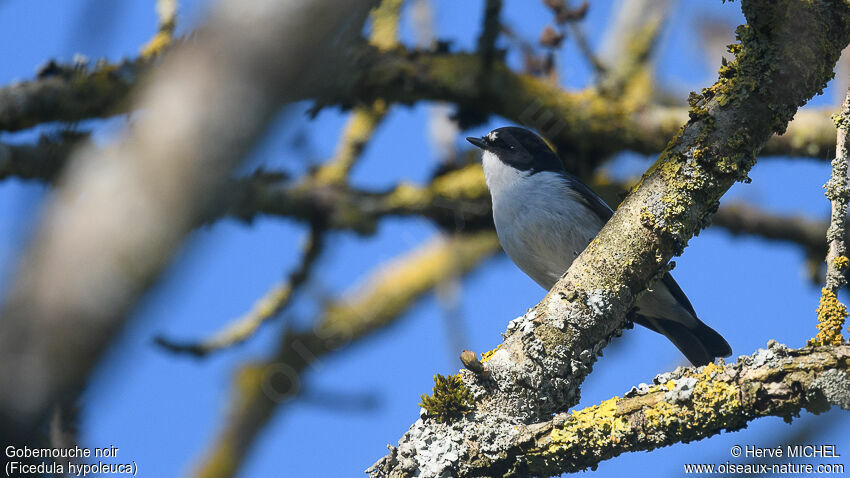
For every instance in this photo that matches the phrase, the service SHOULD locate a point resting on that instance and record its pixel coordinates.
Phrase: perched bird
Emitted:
(545, 217)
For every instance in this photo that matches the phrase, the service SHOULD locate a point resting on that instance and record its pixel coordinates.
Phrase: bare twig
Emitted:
(363, 120)
(599, 68)
(491, 26)
(267, 308)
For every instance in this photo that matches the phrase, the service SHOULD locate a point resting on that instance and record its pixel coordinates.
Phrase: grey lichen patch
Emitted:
(834, 386)
(771, 356)
(428, 450)
(681, 390)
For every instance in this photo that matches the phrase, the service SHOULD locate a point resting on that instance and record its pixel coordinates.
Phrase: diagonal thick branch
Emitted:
(546, 354)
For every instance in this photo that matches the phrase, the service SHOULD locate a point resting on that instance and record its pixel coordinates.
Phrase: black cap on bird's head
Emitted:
(520, 149)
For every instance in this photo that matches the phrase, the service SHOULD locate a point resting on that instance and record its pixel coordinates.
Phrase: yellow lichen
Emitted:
(841, 262)
(662, 415)
(407, 195)
(384, 35)
(831, 314)
(358, 130)
(647, 218)
(488, 355)
(593, 427)
(156, 45)
(166, 10)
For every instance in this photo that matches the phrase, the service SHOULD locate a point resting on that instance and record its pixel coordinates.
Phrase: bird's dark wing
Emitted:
(593, 201)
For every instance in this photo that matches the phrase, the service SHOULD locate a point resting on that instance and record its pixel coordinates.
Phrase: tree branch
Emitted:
(456, 199)
(166, 10)
(538, 369)
(42, 160)
(831, 312)
(584, 123)
(684, 405)
(69, 93)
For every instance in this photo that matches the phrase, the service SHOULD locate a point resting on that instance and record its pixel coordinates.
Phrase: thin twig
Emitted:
(267, 308)
(599, 68)
(490, 30)
(166, 10)
(831, 312)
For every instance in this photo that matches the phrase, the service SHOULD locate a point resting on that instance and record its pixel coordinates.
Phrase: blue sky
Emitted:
(163, 411)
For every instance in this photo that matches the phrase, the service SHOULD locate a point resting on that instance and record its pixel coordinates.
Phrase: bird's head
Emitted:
(520, 149)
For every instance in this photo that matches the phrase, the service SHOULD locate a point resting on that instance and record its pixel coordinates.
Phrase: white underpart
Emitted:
(543, 226)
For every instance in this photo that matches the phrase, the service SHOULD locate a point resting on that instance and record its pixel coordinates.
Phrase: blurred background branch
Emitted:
(120, 212)
(261, 388)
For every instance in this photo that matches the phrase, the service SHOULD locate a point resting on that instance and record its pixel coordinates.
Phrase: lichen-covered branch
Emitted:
(166, 10)
(685, 405)
(69, 93)
(261, 388)
(457, 198)
(831, 312)
(538, 369)
(585, 122)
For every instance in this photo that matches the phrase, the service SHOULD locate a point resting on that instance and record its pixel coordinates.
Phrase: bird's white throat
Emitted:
(500, 177)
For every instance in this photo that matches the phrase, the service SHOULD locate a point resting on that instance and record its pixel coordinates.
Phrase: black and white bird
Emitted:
(545, 217)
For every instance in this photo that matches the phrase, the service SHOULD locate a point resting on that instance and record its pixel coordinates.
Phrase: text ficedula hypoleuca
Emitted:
(545, 217)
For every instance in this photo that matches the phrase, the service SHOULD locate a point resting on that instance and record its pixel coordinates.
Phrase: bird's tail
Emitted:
(699, 343)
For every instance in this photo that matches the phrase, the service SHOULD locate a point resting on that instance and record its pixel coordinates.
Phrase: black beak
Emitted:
(477, 142)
